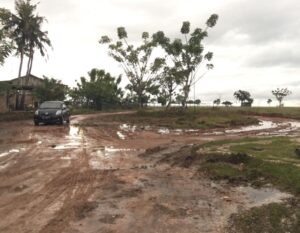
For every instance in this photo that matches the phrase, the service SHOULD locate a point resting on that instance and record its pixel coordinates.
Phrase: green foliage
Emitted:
(168, 84)
(178, 118)
(162, 100)
(24, 30)
(272, 218)
(98, 90)
(269, 101)
(273, 160)
(5, 46)
(227, 103)
(217, 102)
(140, 67)
(244, 97)
(186, 55)
(197, 101)
(52, 89)
(280, 94)
(4, 86)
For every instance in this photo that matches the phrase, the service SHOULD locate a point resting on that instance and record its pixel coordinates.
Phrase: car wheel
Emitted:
(68, 120)
(36, 123)
(61, 122)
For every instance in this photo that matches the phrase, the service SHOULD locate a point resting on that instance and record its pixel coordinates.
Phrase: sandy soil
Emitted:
(75, 179)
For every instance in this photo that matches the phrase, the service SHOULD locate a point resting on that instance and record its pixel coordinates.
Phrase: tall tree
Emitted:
(169, 81)
(18, 26)
(187, 55)
(217, 102)
(99, 89)
(269, 101)
(51, 89)
(280, 94)
(5, 46)
(137, 62)
(227, 103)
(244, 97)
(24, 28)
(38, 39)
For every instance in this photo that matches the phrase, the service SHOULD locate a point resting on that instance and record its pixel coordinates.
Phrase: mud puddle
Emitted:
(263, 196)
(73, 140)
(11, 152)
(111, 158)
(264, 128)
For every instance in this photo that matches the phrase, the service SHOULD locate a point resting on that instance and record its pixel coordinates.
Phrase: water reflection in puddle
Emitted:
(283, 128)
(120, 135)
(263, 196)
(163, 131)
(12, 151)
(108, 158)
(261, 126)
(74, 139)
(128, 128)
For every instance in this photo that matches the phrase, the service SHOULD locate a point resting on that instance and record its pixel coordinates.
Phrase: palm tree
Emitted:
(5, 47)
(24, 29)
(38, 39)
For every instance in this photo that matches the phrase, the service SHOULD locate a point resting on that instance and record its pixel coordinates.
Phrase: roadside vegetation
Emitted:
(198, 118)
(257, 162)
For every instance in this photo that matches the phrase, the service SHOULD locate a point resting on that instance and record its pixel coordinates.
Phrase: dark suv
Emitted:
(52, 112)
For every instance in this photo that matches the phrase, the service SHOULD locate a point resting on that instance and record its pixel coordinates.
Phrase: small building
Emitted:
(12, 92)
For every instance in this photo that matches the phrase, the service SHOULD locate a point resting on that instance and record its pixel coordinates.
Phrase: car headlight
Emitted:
(58, 112)
(36, 112)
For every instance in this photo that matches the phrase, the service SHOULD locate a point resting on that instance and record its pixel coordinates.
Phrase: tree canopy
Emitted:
(244, 97)
(187, 54)
(51, 89)
(99, 89)
(280, 94)
(138, 63)
(227, 103)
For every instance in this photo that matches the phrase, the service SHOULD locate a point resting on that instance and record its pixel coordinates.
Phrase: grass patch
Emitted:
(272, 218)
(269, 160)
(257, 161)
(201, 118)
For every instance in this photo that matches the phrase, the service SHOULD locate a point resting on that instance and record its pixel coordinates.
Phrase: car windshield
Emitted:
(50, 105)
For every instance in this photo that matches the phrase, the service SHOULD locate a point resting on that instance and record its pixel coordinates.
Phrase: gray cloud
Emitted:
(274, 56)
(255, 43)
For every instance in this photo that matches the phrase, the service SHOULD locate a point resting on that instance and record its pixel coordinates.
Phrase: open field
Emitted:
(102, 174)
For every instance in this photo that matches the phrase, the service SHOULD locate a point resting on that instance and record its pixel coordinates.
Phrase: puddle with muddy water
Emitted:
(265, 128)
(262, 196)
(121, 135)
(128, 128)
(74, 138)
(11, 152)
(108, 158)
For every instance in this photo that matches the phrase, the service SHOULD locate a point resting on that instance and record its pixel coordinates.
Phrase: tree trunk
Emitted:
(19, 102)
(21, 65)
(186, 92)
(169, 101)
(29, 67)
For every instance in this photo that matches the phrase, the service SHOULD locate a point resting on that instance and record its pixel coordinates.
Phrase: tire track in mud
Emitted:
(70, 186)
(147, 195)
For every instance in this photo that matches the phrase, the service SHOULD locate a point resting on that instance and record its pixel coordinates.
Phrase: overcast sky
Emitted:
(255, 43)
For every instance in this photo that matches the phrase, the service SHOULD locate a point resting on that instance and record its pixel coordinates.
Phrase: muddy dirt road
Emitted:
(75, 179)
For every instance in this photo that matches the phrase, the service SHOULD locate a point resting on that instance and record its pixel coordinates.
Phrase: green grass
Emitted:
(257, 161)
(272, 218)
(201, 118)
(271, 160)
(285, 112)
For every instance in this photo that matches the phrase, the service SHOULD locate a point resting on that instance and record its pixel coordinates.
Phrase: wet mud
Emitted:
(86, 179)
